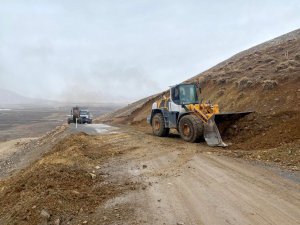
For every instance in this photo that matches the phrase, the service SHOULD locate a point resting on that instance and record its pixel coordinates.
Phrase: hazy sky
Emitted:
(124, 50)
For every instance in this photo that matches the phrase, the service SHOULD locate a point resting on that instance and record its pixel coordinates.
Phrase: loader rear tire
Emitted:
(190, 128)
(158, 126)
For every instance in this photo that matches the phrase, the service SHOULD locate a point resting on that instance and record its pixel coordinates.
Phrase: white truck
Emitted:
(81, 115)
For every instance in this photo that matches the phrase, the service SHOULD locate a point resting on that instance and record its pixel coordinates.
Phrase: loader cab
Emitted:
(184, 94)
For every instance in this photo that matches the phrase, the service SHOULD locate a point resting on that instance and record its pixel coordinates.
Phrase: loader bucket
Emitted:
(212, 134)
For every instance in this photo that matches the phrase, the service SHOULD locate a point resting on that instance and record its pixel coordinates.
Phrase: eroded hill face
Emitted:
(265, 79)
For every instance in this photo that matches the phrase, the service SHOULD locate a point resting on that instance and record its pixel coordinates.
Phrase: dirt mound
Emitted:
(264, 79)
(67, 182)
(21, 154)
(259, 131)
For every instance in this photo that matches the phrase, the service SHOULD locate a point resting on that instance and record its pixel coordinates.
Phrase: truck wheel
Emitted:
(190, 128)
(158, 126)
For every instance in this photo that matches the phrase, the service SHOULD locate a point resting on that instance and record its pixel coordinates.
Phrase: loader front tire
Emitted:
(190, 128)
(158, 126)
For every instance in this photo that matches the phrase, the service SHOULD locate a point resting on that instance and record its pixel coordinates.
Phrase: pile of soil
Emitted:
(66, 183)
(287, 156)
(264, 79)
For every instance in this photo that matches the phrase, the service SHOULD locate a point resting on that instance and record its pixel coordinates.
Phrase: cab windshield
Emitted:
(84, 112)
(185, 94)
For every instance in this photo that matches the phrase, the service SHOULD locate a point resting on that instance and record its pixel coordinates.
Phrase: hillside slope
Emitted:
(265, 78)
(8, 97)
(11, 99)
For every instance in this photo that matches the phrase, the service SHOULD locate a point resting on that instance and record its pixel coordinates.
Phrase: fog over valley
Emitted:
(121, 51)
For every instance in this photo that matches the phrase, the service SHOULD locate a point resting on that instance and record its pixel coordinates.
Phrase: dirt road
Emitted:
(185, 183)
(142, 179)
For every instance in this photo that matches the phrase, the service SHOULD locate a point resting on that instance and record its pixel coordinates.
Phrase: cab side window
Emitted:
(175, 95)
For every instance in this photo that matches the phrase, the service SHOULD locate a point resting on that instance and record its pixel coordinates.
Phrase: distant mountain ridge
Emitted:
(10, 98)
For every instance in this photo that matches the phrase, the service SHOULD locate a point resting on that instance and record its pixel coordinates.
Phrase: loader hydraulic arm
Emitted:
(203, 111)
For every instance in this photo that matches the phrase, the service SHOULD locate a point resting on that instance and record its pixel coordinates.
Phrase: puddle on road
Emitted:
(94, 129)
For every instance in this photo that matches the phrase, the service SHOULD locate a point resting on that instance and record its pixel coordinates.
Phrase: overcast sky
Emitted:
(124, 50)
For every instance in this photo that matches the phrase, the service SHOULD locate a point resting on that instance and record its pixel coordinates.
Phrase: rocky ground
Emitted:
(132, 177)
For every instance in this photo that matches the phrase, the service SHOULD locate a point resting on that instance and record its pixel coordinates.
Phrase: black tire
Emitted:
(190, 128)
(158, 126)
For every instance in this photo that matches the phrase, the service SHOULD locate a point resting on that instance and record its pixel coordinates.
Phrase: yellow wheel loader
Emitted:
(185, 112)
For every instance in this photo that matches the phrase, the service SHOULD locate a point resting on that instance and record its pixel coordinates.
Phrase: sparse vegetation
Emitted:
(244, 83)
(269, 84)
(282, 66)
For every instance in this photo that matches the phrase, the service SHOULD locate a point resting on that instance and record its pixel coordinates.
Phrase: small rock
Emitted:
(75, 192)
(93, 175)
(33, 207)
(104, 218)
(85, 222)
(277, 160)
(238, 155)
(180, 223)
(97, 167)
(159, 200)
(45, 214)
(144, 166)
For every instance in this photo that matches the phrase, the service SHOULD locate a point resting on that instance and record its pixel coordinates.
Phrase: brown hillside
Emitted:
(265, 78)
